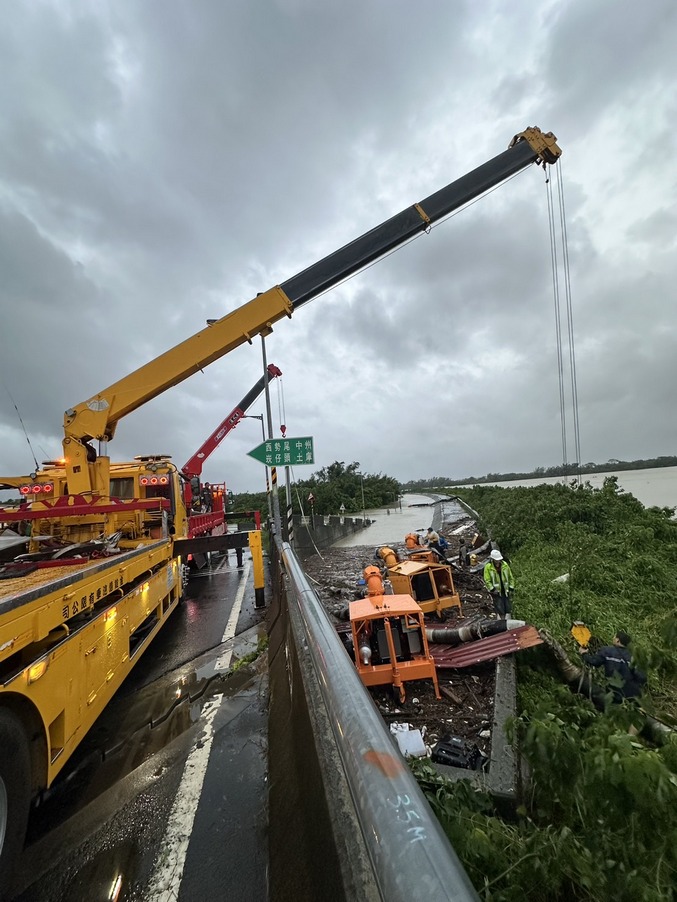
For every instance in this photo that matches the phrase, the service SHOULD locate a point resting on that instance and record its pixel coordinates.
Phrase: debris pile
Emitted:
(458, 724)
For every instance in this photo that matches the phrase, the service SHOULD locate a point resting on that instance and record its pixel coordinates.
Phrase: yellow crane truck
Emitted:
(102, 544)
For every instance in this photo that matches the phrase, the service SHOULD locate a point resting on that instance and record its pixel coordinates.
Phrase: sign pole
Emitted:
(273, 470)
(290, 514)
(269, 497)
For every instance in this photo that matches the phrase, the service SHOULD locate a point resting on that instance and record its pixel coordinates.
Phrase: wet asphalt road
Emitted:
(166, 797)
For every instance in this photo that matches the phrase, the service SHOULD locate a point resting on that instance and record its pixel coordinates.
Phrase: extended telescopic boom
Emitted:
(98, 417)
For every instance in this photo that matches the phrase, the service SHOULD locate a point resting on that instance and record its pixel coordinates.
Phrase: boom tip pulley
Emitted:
(542, 143)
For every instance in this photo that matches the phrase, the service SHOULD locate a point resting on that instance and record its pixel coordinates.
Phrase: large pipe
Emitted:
(387, 555)
(372, 577)
(472, 631)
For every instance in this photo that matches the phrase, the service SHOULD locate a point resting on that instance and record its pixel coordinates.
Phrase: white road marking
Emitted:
(224, 564)
(224, 661)
(165, 881)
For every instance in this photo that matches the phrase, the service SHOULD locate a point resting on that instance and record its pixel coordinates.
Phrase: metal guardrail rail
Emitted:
(409, 852)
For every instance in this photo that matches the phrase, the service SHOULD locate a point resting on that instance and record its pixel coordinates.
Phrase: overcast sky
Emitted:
(161, 162)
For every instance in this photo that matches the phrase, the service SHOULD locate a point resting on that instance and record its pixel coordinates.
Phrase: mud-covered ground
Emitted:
(465, 710)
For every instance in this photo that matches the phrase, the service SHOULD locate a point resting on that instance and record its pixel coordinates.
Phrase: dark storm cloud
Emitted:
(42, 288)
(161, 163)
(600, 53)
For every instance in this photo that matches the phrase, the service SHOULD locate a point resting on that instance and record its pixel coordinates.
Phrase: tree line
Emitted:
(573, 469)
(338, 488)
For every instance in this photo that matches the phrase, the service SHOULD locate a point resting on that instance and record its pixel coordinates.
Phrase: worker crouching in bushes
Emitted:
(625, 681)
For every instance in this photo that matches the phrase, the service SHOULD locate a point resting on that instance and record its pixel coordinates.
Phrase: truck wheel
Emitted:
(15, 795)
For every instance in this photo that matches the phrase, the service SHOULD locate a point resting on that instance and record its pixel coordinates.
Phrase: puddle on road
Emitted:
(135, 727)
(106, 877)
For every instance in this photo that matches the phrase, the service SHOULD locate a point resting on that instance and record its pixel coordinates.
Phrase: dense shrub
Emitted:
(598, 819)
(620, 558)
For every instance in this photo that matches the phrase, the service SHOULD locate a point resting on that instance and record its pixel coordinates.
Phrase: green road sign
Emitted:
(284, 452)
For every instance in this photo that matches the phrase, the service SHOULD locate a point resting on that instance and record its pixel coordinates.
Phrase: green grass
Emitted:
(261, 646)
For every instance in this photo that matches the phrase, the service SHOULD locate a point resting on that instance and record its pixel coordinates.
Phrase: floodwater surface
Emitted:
(654, 488)
(415, 514)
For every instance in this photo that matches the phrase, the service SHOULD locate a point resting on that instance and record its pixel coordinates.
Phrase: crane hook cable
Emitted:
(566, 277)
(570, 315)
(558, 318)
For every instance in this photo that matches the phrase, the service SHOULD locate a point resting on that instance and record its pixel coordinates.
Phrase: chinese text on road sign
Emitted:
(285, 452)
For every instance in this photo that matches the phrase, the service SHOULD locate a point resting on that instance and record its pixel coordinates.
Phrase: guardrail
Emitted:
(400, 841)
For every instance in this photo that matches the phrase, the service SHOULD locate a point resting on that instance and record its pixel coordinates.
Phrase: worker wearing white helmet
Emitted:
(500, 582)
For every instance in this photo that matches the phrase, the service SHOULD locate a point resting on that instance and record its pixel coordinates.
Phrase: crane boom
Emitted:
(193, 466)
(97, 417)
(529, 146)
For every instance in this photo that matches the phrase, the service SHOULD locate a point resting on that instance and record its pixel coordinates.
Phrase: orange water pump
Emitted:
(389, 638)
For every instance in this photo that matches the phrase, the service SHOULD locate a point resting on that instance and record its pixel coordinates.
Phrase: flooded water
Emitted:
(416, 513)
(654, 488)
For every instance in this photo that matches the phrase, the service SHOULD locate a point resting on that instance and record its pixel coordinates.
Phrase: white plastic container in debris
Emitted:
(410, 742)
